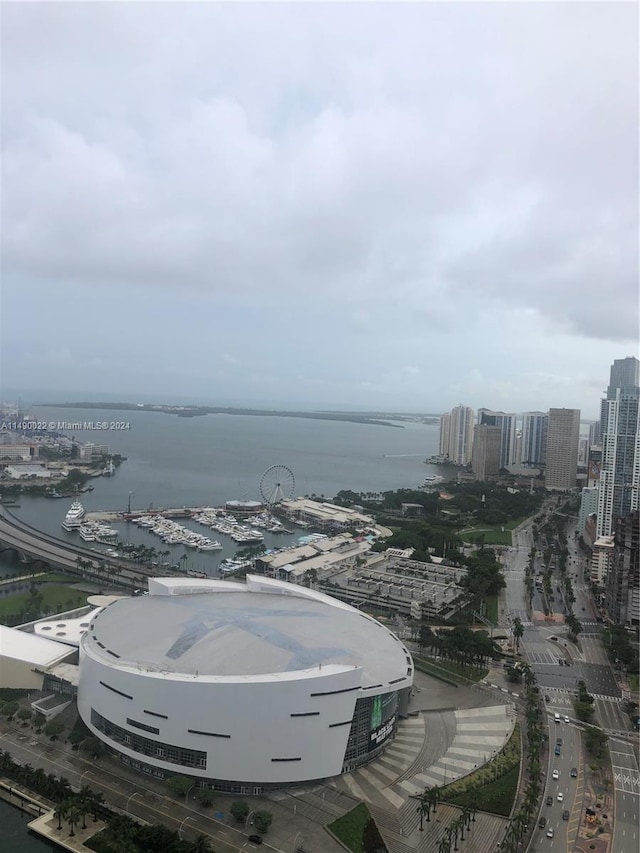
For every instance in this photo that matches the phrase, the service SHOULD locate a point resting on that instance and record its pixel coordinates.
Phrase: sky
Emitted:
(388, 206)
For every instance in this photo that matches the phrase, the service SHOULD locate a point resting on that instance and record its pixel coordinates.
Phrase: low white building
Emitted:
(24, 658)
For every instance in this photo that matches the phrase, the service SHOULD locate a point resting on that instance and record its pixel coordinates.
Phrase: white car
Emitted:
(550, 832)
(567, 720)
(556, 774)
(560, 796)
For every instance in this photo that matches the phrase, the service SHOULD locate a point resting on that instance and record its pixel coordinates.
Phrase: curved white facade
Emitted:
(208, 682)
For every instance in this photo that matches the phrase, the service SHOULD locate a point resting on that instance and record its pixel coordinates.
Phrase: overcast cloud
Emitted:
(397, 206)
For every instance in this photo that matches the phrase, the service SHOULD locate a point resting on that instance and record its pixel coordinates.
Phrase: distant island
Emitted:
(373, 418)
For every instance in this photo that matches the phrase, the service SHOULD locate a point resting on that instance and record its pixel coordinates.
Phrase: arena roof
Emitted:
(266, 627)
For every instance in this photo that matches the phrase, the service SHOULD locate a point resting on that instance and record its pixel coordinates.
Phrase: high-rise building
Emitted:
(563, 435)
(507, 424)
(456, 435)
(623, 579)
(625, 374)
(445, 431)
(594, 466)
(594, 434)
(485, 459)
(534, 438)
(620, 466)
(588, 506)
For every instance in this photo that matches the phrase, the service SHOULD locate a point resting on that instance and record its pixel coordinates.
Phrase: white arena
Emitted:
(242, 686)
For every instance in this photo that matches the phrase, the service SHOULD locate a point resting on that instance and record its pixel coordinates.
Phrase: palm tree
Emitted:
(445, 844)
(436, 793)
(72, 815)
(84, 802)
(422, 810)
(201, 845)
(518, 631)
(59, 812)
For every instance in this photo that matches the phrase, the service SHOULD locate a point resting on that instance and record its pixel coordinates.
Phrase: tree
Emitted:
(518, 631)
(239, 810)
(201, 845)
(9, 709)
(205, 797)
(93, 746)
(179, 785)
(262, 820)
(53, 729)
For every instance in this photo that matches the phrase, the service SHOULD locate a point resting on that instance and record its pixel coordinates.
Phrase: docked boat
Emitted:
(73, 518)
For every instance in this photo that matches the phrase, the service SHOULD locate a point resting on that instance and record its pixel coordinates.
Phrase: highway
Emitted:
(61, 555)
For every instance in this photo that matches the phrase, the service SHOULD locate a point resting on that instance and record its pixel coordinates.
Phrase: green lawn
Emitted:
(495, 797)
(492, 535)
(450, 669)
(492, 608)
(349, 827)
(55, 597)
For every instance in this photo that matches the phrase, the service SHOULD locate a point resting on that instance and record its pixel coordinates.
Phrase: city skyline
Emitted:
(377, 216)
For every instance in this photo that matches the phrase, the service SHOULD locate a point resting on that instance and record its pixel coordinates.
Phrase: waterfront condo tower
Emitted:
(456, 435)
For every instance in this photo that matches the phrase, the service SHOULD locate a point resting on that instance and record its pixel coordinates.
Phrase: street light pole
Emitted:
(188, 817)
(129, 798)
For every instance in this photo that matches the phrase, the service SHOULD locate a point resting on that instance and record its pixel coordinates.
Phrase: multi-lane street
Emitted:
(562, 817)
(626, 783)
(558, 665)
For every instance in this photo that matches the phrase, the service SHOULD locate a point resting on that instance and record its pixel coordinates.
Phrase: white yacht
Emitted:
(87, 532)
(73, 518)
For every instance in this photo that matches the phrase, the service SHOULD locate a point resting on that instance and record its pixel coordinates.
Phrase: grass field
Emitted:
(56, 597)
(492, 535)
(449, 669)
(349, 828)
(495, 797)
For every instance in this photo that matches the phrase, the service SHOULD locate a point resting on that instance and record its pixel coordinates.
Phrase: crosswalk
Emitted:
(564, 697)
(523, 616)
(626, 779)
(541, 657)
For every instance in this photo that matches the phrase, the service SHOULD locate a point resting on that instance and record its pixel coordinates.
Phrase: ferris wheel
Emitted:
(277, 484)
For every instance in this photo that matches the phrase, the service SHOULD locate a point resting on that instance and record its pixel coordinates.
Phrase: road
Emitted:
(626, 783)
(62, 555)
(558, 665)
(571, 789)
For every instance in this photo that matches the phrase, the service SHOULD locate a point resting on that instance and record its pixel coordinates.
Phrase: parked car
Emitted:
(574, 772)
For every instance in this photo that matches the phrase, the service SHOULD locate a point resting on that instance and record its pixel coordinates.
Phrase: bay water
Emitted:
(208, 460)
